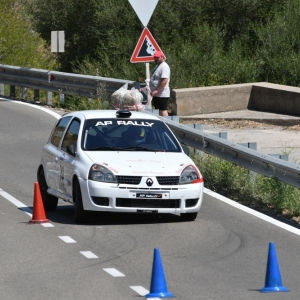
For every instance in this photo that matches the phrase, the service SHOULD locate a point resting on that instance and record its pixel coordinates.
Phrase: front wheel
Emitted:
(49, 201)
(79, 212)
(188, 216)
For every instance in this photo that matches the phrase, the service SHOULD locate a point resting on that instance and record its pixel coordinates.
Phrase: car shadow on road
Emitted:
(64, 214)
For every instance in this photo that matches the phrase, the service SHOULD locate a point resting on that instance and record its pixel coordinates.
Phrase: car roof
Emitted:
(95, 114)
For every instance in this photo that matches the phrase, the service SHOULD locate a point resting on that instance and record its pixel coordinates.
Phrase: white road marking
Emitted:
(114, 272)
(88, 254)
(16, 202)
(252, 212)
(140, 290)
(21, 206)
(47, 224)
(67, 239)
(54, 114)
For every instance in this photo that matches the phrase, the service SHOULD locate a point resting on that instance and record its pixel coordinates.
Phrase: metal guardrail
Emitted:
(62, 83)
(84, 85)
(236, 154)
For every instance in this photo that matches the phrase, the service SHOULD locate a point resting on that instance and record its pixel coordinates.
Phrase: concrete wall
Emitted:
(261, 96)
(275, 98)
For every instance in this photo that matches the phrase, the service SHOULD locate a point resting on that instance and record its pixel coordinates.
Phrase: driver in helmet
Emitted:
(137, 135)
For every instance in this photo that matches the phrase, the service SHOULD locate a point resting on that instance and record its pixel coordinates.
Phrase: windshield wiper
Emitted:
(105, 148)
(139, 148)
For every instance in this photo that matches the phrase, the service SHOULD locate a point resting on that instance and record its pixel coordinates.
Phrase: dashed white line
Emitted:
(88, 254)
(47, 225)
(114, 272)
(67, 239)
(142, 291)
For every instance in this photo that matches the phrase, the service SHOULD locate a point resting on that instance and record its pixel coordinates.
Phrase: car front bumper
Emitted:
(99, 196)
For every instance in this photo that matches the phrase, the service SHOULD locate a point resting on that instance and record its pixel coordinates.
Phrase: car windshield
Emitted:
(128, 135)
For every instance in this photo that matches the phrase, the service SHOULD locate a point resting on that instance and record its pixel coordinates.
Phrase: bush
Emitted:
(247, 187)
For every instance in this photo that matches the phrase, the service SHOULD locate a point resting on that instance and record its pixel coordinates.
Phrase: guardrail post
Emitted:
(49, 98)
(280, 156)
(24, 93)
(253, 146)
(12, 91)
(195, 126)
(36, 96)
(222, 135)
(198, 127)
(1, 89)
(61, 98)
(173, 118)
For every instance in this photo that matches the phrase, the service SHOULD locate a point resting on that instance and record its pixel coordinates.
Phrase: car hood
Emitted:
(138, 163)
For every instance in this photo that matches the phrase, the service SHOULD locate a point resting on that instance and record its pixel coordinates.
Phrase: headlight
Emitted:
(100, 173)
(190, 175)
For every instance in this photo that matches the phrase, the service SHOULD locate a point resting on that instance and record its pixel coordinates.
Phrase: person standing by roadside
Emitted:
(159, 84)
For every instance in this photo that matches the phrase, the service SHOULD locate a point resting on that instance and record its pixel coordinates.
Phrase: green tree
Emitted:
(19, 44)
(94, 29)
(278, 53)
(206, 42)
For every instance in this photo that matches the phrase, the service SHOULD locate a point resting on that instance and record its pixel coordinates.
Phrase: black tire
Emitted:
(188, 216)
(80, 215)
(49, 201)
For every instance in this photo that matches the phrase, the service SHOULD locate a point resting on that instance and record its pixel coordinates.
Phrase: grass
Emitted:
(266, 194)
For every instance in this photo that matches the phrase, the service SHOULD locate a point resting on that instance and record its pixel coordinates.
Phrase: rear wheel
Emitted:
(79, 213)
(188, 216)
(49, 201)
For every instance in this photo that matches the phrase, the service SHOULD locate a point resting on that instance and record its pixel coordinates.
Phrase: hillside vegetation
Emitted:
(207, 42)
(20, 45)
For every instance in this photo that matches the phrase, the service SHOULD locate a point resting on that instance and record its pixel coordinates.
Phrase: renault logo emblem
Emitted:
(149, 181)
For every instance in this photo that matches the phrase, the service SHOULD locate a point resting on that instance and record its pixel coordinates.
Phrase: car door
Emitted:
(66, 159)
(52, 153)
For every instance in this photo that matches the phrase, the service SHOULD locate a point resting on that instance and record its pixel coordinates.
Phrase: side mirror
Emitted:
(186, 150)
(71, 149)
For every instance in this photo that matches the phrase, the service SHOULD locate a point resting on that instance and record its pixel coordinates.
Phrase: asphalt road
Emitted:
(221, 255)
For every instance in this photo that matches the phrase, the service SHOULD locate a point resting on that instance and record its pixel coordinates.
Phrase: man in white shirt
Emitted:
(159, 84)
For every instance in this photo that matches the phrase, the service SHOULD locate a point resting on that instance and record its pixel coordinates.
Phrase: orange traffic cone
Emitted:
(38, 215)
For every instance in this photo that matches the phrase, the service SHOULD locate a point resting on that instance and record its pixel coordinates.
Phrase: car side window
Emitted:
(71, 135)
(59, 130)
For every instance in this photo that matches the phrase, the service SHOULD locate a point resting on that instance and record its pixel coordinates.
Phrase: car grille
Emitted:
(168, 180)
(129, 179)
(162, 180)
(148, 203)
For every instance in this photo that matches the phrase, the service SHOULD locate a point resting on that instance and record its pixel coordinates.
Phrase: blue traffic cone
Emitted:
(273, 279)
(158, 282)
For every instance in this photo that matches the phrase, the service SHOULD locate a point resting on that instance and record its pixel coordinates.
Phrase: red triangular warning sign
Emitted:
(145, 48)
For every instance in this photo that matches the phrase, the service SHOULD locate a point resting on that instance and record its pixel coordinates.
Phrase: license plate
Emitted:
(148, 196)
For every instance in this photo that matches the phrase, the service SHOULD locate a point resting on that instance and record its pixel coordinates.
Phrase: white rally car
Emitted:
(118, 161)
